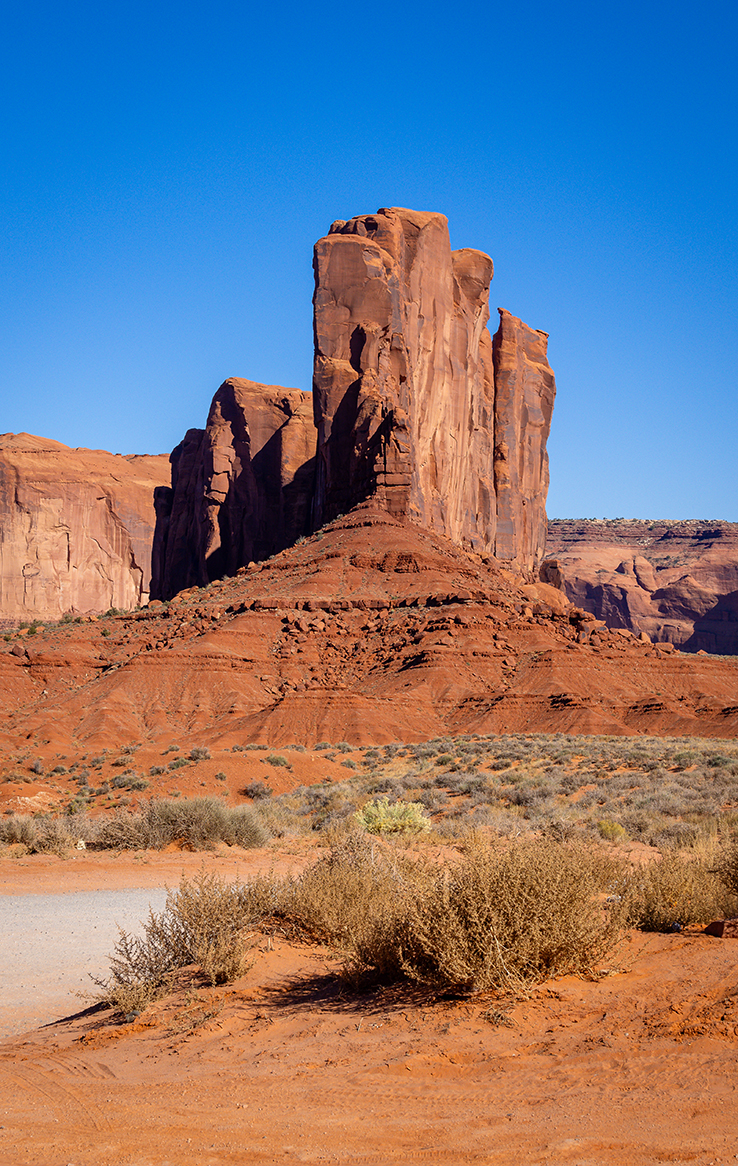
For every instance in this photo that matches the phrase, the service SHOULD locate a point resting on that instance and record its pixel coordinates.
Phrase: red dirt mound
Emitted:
(370, 631)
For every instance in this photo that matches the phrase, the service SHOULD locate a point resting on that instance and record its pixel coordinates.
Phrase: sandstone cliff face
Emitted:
(676, 581)
(414, 404)
(241, 488)
(75, 528)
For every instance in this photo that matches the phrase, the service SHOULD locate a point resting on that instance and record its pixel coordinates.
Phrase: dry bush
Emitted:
(18, 828)
(680, 888)
(343, 895)
(198, 822)
(203, 923)
(40, 835)
(510, 917)
(500, 917)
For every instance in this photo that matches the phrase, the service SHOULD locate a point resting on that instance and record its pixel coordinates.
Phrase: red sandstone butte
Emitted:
(241, 488)
(414, 403)
(76, 528)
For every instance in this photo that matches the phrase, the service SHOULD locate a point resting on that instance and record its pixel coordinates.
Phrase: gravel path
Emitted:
(50, 944)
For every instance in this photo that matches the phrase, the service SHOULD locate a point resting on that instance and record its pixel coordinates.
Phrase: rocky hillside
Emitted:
(675, 581)
(372, 630)
(75, 528)
(415, 405)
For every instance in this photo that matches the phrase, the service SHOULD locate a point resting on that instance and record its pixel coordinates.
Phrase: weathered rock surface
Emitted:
(241, 488)
(675, 581)
(75, 528)
(415, 405)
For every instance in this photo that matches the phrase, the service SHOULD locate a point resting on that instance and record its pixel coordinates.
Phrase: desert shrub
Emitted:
(341, 898)
(122, 831)
(611, 831)
(277, 760)
(385, 817)
(514, 916)
(198, 822)
(199, 753)
(37, 767)
(180, 761)
(247, 829)
(221, 777)
(349, 764)
(387, 785)
(499, 918)
(50, 836)
(726, 867)
(677, 889)
(203, 923)
(18, 828)
(256, 790)
(156, 770)
(60, 769)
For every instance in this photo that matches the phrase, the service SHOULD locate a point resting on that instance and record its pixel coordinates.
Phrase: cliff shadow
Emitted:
(717, 630)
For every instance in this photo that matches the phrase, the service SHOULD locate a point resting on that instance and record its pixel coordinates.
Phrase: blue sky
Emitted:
(167, 169)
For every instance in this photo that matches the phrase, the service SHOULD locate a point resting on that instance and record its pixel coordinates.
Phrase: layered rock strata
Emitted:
(75, 528)
(241, 488)
(414, 402)
(675, 581)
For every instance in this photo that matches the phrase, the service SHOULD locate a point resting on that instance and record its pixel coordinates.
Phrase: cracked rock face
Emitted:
(76, 528)
(241, 488)
(414, 402)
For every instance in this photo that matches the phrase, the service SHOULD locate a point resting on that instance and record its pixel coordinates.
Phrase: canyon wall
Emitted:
(675, 581)
(415, 404)
(241, 489)
(75, 528)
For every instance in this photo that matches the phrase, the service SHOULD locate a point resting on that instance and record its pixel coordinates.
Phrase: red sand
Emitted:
(285, 1065)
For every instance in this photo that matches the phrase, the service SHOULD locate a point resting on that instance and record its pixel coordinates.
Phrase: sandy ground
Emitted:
(285, 1065)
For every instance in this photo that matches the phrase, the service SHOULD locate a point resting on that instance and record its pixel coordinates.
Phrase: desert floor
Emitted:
(286, 1064)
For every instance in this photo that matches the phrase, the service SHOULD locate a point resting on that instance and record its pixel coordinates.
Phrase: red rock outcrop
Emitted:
(372, 630)
(241, 488)
(675, 581)
(76, 528)
(414, 403)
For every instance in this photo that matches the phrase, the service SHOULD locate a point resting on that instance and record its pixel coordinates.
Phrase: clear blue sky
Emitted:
(166, 170)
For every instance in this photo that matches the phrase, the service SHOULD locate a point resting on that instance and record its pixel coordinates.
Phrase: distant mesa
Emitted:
(76, 528)
(677, 582)
(414, 405)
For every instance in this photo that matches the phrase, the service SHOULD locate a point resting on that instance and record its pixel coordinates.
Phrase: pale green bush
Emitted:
(385, 817)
